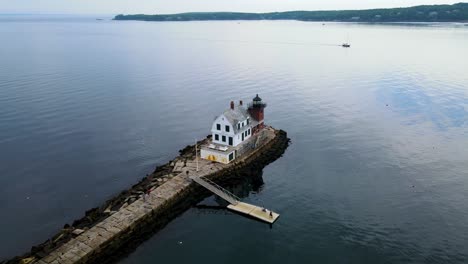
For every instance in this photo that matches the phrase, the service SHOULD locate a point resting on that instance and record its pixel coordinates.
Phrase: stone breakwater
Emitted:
(113, 230)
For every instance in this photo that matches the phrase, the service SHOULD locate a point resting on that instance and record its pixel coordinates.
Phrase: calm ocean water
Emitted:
(378, 167)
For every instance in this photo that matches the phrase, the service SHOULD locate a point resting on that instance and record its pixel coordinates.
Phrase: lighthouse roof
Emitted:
(236, 115)
(257, 98)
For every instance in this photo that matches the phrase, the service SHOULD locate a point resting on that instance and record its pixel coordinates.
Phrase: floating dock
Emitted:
(255, 212)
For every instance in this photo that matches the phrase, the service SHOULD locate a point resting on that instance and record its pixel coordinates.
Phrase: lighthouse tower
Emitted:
(256, 111)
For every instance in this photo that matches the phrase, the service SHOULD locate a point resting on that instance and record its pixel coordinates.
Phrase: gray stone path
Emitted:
(78, 249)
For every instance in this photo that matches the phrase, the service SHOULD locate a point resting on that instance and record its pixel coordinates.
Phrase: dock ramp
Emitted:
(216, 189)
(235, 203)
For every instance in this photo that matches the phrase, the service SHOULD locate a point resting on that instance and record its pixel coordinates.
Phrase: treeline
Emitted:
(426, 13)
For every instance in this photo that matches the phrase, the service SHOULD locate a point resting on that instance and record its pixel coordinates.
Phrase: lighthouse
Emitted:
(256, 108)
(233, 130)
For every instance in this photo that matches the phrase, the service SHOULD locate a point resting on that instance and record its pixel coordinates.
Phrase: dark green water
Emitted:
(377, 169)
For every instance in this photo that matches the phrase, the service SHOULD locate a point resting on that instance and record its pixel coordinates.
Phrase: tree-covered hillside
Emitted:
(427, 13)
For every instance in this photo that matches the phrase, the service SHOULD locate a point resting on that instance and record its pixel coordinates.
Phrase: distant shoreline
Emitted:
(425, 13)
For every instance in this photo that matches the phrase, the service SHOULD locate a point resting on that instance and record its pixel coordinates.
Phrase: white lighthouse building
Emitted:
(232, 129)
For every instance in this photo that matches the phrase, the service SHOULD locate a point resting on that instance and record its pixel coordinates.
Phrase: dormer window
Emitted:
(238, 126)
(218, 127)
(227, 128)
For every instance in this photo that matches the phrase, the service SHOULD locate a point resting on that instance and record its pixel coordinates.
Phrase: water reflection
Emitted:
(421, 101)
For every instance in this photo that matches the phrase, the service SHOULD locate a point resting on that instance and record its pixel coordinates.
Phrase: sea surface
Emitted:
(377, 169)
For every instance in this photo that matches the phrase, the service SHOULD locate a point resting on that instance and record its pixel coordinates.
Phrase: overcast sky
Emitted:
(177, 6)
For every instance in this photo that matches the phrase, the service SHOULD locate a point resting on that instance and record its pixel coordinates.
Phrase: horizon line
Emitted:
(263, 12)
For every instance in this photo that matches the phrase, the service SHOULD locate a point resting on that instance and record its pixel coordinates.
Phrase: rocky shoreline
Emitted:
(189, 196)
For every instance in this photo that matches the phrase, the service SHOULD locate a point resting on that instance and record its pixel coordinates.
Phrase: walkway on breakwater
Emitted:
(88, 244)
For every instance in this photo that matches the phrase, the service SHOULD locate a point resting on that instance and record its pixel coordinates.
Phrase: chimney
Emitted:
(240, 102)
(232, 105)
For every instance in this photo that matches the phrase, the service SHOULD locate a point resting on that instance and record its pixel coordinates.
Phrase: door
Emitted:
(242, 136)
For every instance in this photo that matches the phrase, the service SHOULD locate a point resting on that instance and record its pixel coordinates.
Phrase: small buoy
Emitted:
(27, 198)
(180, 242)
